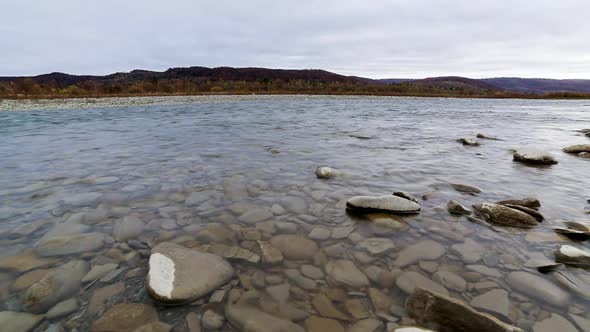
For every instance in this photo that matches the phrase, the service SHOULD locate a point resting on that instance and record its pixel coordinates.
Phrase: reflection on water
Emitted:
(206, 171)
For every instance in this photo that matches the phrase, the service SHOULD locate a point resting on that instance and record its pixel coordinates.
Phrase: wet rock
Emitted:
(325, 172)
(212, 320)
(178, 275)
(326, 308)
(468, 141)
(503, 215)
(366, 325)
(482, 136)
(584, 154)
(583, 323)
(538, 288)
(467, 189)
(216, 233)
(154, 327)
(269, 253)
(255, 215)
(494, 301)
(97, 301)
(345, 273)
(577, 283)
(532, 212)
(406, 195)
(423, 250)
(376, 245)
(549, 267)
(380, 301)
(24, 262)
(572, 256)
(554, 323)
(409, 329)
(342, 232)
(579, 148)
(63, 308)
(26, 280)
(192, 322)
(409, 281)
(532, 203)
(294, 247)
(578, 231)
(232, 253)
(12, 321)
(485, 270)
(99, 271)
(125, 317)
(319, 233)
(386, 203)
(534, 156)
(56, 286)
(70, 244)
(450, 280)
(294, 204)
(357, 308)
(312, 272)
(469, 251)
(298, 279)
(319, 324)
(127, 228)
(249, 319)
(455, 207)
(449, 314)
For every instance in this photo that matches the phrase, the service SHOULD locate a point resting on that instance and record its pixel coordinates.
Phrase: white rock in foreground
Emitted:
(387, 203)
(178, 275)
(572, 255)
(325, 172)
(534, 156)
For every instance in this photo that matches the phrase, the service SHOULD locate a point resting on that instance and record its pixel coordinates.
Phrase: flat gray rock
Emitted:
(294, 247)
(386, 203)
(12, 321)
(423, 250)
(128, 228)
(538, 288)
(555, 323)
(506, 216)
(344, 273)
(495, 301)
(469, 251)
(250, 319)
(178, 275)
(534, 156)
(410, 280)
(70, 244)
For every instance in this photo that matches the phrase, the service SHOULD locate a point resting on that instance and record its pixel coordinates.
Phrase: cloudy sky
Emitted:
(372, 38)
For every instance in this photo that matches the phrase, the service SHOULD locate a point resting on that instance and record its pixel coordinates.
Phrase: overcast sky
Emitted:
(372, 38)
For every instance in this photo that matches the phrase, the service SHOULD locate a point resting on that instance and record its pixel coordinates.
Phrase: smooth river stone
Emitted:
(249, 319)
(178, 275)
(70, 244)
(537, 287)
(376, 245)
(294, 247)
(534, 156)
(410, 280)
(573, 256)
(24, 262)
(555, 323)
(56, 286)
(128, 228)
(503, 215)
(579, 148)
(325, 172)
(495, 301)
(125, 317)
(424, 250)
(12, 321)
(345, 273)
(387, 203)
(470, 251)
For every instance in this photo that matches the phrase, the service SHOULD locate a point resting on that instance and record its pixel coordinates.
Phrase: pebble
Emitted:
(212, 320)
(345, 273)
(12, 321)
(423, 250)
(408, 281)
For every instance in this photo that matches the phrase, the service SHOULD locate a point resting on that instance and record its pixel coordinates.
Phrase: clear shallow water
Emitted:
(145, 159)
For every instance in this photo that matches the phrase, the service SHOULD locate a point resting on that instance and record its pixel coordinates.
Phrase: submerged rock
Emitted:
(578, 231)
(128, 228)
(325, 172)
(577, 283)
(538, 288)
(554, 323)
(409, 281)
(56, 286)
(534, 156)
(250, 319)
(464, 188)
(344, 273)
(376, 245)
(386, 203)
(572, 256)
(125, 317)
(579, 148)
(468, 141)
(449, 314)
(503, 215)
(178, 275)
(405, 195)
(532, 212)
(423, 250)
(495, 301)
(455, 207)
(70, 244)
(294, 247)
(482, 136)
(12, 321)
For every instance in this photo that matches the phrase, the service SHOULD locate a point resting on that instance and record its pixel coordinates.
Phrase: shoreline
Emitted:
(475, 96)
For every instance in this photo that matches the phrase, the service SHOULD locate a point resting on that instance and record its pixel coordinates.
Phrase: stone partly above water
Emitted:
(468, 141)
(56, 286)
(572, 256)
(325, 172)
(578, 148)
(444, 313)
(538, 287)
(503, 215)
(534, 156)
(178, 275)
(529, 202)
(386, 203)
(455, 207)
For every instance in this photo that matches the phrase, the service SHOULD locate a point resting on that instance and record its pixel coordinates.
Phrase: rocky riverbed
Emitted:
(274, 216)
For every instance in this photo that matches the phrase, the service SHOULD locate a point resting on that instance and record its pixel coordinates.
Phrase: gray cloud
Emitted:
(378, 38)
